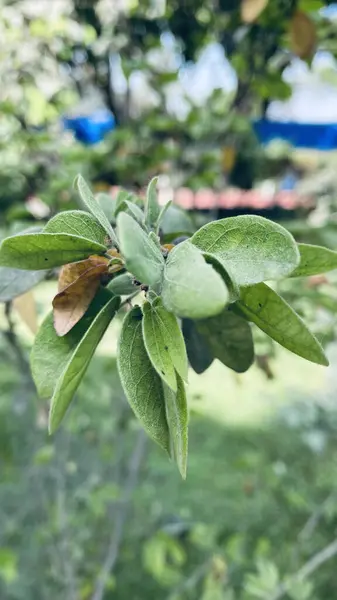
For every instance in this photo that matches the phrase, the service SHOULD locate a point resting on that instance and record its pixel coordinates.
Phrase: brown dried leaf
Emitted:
(251, 9)
(303, 35)
(78, 284)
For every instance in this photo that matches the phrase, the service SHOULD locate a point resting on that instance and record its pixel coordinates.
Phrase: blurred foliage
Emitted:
(133, 61)
(257, 505)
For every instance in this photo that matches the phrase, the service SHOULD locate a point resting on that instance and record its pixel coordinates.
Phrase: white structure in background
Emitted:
(310, 87)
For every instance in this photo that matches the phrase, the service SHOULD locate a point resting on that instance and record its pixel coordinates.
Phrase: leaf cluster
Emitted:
(196, 300)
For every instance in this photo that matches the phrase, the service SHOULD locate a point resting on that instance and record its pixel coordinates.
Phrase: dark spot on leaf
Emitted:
(260, 305)
(46, 259)
(163, 372)
(166, 347)
(137, 317)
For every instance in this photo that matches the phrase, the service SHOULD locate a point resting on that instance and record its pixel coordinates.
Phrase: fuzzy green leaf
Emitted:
(107, 204)
(77, 222)
(252, 249)
(35, 251)
(315, 260)
(135, 212)
(275, 317)
(198, 352)
(177, 419)
(142, 386)
(175, 222)
(122, 285)
(162, 213)
(191, 287)
(120, 201)
(50, 353)
(164, 343)
(152, 208)
(143, 258)
(14, 282)
(229, 338)
(59, 363)
(233, 288)
(93, 206)
(155, 238)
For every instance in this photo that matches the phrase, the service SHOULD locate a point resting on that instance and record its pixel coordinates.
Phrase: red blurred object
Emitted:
(234, 198)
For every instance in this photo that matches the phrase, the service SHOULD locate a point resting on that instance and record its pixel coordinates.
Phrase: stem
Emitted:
(12, 339)
(308, 568)
(192, 581)
(128, 300)
(121, 516)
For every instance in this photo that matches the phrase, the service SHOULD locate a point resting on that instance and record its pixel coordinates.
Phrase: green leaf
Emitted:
(164, 343)
(155, 238)
(152, 208)
(122, 285)
(191, 287)
(275, 317)
(35, 251)
(177, 419)
(229, 338)
(14, 282)
(198, 352)
(59, 363)
(121, 198)
(135, 212)
(251, 249)
(77, 222)
(107, 204)
(142, 386)
(175, 222)
(315, 260)
(143, 258)
(162, 213)
(93, 206)
(233, 288)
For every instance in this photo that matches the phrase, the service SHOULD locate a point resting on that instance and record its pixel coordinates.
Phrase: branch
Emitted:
(128, 300)
(63, 530)
(314, 519)
(308, 568)
(12, 339)
(191, 581)
(120, 519)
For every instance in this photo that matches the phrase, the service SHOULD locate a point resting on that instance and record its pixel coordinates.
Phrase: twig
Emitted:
(314, 519)
(120, 519)
(128, 300)
(65, 553)
(12, 339)
(192, 580)
(308, 568)
(62, 524)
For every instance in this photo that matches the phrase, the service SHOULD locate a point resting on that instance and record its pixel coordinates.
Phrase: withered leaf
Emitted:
(303, 35)
(78, 284)
(251, 9)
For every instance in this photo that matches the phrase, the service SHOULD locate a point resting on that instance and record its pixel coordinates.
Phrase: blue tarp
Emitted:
(92, 128)
(315, 136)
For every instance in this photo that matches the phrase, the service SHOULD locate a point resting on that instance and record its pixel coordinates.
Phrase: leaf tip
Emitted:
(325, 361)
(77, 181)
(183, 470)
(52, 425)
